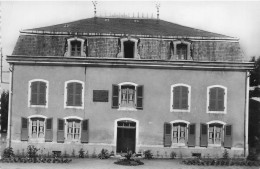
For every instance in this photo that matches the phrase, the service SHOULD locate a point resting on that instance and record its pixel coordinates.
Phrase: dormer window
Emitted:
(128, 48)
(76, 47)
(181, 50)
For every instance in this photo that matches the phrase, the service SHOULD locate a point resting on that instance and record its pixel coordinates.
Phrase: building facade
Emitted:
(129, 84)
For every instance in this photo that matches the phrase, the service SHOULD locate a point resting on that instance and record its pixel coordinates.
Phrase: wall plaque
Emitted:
(100, 95)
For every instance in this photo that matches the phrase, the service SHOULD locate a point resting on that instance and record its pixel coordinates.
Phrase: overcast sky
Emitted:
(239, 19)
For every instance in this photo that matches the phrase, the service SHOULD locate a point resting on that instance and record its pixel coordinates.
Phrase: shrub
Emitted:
(112, 153)
(148, 154)
(73, 153)
(104, 154)
(87, 155)
(81, 153)
(128, 155)
(32, 151)
(173, 155)
(8, 152)
(225, 154)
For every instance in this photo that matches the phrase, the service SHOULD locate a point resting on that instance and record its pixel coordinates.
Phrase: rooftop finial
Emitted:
(157, 7)
(95, 8)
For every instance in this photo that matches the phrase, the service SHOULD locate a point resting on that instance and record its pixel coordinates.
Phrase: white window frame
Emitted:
(47, 93)
(81, 47)
(121, 53)
(189, 98)
(30, 128)
(175, 43)
(66, 94)
(66, 128)
(225, 99)
(222, 134)
(127, 108)
(186, 133)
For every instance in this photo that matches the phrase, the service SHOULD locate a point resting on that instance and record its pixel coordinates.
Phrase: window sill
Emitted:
(214, 145)
(36, 140)
(38, 106)
(71, 141)
(73, 107)
(216, 112)
(179, 145)
(180, 110)
(127, 109)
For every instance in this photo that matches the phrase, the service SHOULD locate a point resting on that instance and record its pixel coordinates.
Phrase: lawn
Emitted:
(109, 164)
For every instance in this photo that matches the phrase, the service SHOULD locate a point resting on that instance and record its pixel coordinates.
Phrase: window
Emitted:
(72, 129)
(76, 47)
(181, 50)
(128, 48)
(127, 96)
(180, 98)
(216, 133)
(74, 94)
(36, 128)
(38, 93)
(217, 99)
(179, 133)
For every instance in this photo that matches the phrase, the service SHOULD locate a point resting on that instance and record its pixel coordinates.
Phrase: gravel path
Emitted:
(109, 164)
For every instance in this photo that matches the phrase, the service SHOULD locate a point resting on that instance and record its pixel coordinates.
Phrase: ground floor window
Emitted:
(37, 128)
(73, 129)
(179, 133)
(215, 134)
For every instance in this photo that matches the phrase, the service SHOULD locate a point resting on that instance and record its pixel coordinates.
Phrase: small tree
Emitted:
(4, 110)
(255, 73)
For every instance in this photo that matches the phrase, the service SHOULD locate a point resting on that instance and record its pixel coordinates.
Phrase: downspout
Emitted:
(246, 114)
(10, 105)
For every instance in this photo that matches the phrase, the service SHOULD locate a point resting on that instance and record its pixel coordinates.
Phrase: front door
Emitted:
(126, 132)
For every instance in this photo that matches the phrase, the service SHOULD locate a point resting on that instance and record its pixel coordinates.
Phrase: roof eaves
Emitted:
(111, 34)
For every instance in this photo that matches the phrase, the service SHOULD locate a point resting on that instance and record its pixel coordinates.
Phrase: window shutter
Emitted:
(34, 94)
(176, 97)
(191, 135)
(115, 96)
(228, 136)
(85, 131)
(70, 94)
(203, 135)
(42, 93)
(220, 99)
(49, 132)
(139, 97)
(184, 94)
(78, 94)
(24, 129)
(212, 99)
(60, 131)
(167, 142)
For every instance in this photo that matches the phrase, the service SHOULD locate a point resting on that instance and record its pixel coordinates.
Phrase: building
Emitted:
(129, 84)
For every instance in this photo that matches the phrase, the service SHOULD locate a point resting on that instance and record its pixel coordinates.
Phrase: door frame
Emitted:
(136, 131)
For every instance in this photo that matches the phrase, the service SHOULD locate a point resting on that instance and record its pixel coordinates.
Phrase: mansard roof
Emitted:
(125, 26)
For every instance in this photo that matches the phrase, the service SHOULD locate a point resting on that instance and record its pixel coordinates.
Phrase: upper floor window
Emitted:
(180, 97)
(217, 99)
(128, 48)
(74, 129)
(179, 133)
(128, 96)
(181, 50)
(74, 94)
(38, 93)
(76, 47)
